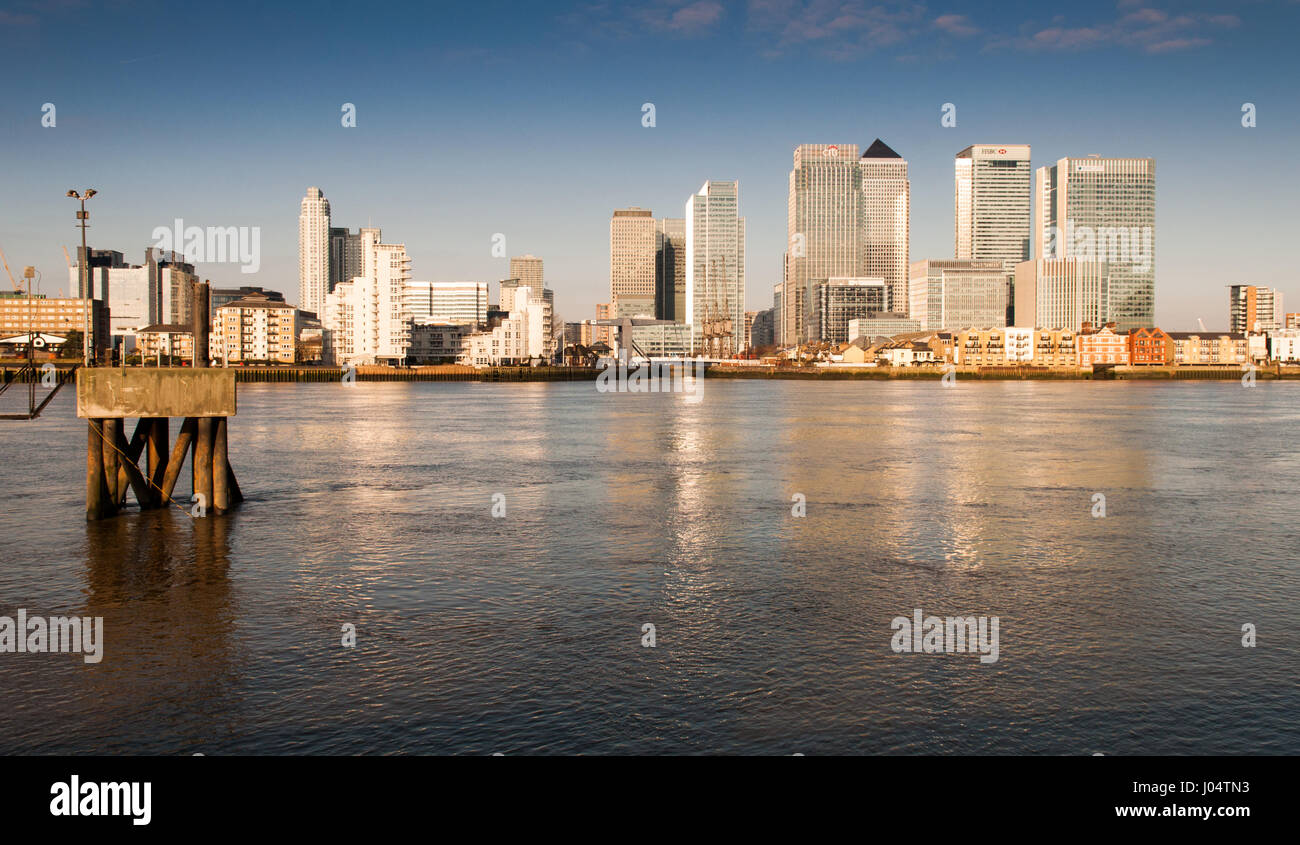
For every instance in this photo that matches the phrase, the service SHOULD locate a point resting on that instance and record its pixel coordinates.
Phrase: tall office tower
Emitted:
(632, 262)
(993, 209)
(1103, 210)
(345, 253)
(824, 228)
(670, 269)
(1252, 308)
(715, 269)
(313, 251)
(528, 270)
(1062, 293)
(364, 317)
(953, 295)
(462, 303)
(886, 225)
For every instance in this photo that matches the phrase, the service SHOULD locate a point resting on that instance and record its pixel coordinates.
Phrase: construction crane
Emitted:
(12, 280)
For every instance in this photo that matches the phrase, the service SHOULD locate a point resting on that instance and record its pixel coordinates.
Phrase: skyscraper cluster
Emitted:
(848, 218)
(688, 270)
(372, 312)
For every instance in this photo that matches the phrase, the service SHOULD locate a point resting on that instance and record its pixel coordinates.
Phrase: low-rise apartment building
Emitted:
(1101, 346)
(1192, 348)
(254, 330)
(1149, 347)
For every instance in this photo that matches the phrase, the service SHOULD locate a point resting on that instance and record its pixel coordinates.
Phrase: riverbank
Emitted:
(9, 372)
(1117, 373)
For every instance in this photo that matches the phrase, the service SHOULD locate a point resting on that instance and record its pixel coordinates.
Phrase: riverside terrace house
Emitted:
(1150, 347)
(1210, 348)
(255, 329)
(1284, 345)
(1101, 346)
(905, 353)
(998, 347)
(51, 316)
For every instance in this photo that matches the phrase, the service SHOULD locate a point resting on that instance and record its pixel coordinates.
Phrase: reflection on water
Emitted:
(371, 506)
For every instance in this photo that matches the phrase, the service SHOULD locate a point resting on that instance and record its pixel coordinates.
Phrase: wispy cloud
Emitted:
(1132, 26)
(851, 29)
(624, 20)
(839, 29)
(958, 25)
(16, 18)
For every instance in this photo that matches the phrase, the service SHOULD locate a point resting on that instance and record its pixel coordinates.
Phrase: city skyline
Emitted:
(259, 142)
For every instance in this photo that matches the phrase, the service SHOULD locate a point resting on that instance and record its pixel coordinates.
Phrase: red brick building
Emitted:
(1150, 347)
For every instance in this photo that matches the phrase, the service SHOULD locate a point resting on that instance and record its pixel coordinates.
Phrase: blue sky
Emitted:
(525, 119)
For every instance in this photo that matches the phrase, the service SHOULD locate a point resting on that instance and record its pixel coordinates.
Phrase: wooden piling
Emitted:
(110, 429)
(157, 456)
(131, 464)
(236, 495)
(97, 501)
(176, 462)
(220, 479)
(202, 461)
(129, 476)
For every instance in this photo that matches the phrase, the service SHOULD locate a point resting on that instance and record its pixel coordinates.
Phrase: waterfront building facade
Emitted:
(1149, 347)
(1202, 348)
(1284, 345)
(437, 342)
(1101, 346)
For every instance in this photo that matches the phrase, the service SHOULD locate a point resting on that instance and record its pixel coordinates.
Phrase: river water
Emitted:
(372, 505)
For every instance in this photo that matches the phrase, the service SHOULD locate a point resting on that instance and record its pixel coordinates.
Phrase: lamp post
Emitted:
(84, 266)
(29, 273)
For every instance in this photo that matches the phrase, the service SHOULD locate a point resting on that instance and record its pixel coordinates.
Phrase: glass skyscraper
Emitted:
(1103, 210)
(715, 269)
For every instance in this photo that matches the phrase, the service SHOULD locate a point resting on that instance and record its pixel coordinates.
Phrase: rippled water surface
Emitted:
(371, 505)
